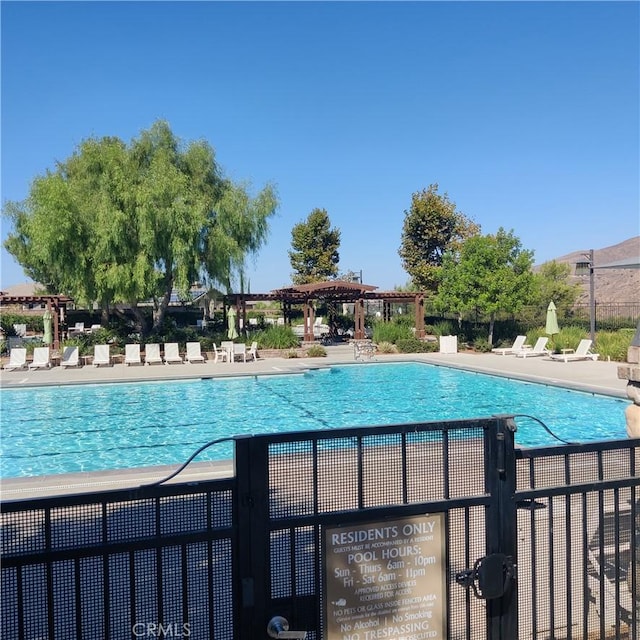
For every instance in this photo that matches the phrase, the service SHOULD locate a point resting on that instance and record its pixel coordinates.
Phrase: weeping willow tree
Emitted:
(128, 223)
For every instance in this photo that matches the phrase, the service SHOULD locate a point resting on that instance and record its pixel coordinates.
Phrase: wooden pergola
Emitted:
(332, 291)
(57, 305)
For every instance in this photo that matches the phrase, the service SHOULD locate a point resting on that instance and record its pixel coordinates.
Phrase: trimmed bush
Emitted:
(413, 345)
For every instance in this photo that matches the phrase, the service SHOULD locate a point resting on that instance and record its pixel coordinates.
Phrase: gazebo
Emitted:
(56, 305)
(332, 291)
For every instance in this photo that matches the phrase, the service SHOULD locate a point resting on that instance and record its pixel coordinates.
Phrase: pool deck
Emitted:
(589, 376)
(598, 377)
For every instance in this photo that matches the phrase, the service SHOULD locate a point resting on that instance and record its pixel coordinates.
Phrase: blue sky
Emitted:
(526, 114)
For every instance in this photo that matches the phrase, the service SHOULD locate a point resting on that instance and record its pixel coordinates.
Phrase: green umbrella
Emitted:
(46, 318)
(231, 323)
(551, 328)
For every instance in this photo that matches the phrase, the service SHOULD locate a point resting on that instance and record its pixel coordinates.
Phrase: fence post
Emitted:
(501, 529)
(251, 521)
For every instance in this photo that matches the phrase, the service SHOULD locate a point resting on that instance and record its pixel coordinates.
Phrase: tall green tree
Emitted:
(131, 222)
(553, 284)
(314, 249)
(490, 273)
(432, 226)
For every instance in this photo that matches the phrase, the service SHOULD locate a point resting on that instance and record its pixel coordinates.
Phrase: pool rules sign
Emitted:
(386, 580)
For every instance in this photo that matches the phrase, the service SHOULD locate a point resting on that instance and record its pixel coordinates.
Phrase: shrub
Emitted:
(568, 338)
(7, 320)
(482, 345)
(445, 328)
(316, 351)
(292, 353)
(276, 337)
(413, 345)
(613, 344)
(387, 347)
(391, 332)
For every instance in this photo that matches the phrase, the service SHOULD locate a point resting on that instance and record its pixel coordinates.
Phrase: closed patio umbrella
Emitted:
(46, 319)
(551, 327)
(231, 324)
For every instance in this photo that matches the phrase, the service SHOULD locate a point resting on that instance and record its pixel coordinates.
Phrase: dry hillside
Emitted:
(611, 285)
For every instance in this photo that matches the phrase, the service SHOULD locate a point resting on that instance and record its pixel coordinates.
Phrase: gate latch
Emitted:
(493, 575)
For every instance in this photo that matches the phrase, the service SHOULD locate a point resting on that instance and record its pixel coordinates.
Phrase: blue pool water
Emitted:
(97, 427)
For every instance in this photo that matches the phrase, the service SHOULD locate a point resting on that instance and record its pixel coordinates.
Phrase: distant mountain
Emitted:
(611, 285)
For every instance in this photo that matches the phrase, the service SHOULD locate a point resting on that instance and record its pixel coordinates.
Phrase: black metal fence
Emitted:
(535, 543)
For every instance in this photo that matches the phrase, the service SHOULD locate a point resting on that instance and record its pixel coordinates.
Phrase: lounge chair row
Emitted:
(228, 352)
(521, 350)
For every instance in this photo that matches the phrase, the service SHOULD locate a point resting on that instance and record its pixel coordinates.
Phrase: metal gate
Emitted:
(247, 557)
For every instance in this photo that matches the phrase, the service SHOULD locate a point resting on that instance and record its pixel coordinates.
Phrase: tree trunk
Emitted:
(160, 311)
(141, 322)
(491, 323)
(104, 315)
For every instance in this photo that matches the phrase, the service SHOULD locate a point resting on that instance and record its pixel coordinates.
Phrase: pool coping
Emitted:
(591, 377)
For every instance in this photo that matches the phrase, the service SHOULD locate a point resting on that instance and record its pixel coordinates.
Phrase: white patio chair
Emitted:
(240, 351)
(220, 354)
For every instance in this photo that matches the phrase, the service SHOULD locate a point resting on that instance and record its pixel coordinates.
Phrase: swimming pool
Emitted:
(51, 430)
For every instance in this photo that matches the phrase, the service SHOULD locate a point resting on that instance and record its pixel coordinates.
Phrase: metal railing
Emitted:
(534, 542)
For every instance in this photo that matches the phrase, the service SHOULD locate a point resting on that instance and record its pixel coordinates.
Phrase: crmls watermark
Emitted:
(159, 630)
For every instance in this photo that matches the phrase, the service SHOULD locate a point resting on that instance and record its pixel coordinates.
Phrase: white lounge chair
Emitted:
(101, 355)
(41, 359)
(17, 359)
(152, 353)
(517, 345)
(253, 351)
(172, 353)
(240, 350)
(194, 352)
(132, 354)
(539, 349)
(70, 357)
(583, 352)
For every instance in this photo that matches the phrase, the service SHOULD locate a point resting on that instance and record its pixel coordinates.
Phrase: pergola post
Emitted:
(53, 309)
(419, 305)
(359, 320)
(308, 321)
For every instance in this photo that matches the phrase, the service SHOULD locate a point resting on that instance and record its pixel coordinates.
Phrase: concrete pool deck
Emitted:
(589, 376)
(598, 377)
